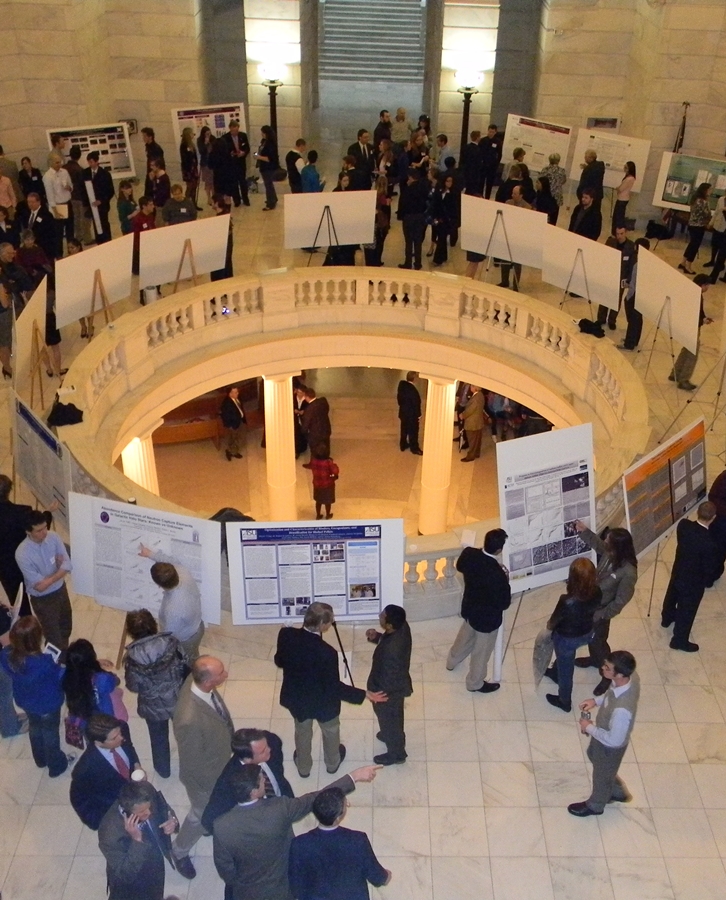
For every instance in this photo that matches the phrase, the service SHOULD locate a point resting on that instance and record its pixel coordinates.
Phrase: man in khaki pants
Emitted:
(474, 418)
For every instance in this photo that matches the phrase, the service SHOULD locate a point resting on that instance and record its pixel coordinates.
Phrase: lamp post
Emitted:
(271, 73)
(468, 86)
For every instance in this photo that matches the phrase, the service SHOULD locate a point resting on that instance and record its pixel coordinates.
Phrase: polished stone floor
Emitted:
(478, 811)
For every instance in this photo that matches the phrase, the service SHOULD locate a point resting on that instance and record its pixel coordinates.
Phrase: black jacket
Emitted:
(231, 416)
(504, 191)
(591, 179)
(155, 668)
(359, 178)
(294, 179)
(490, 150)
(315, 421)
(573, 617)
(95, 784)
(696, 558)
(43, 228)
(414, 199)
(222, 798)
(361, 162)
(471, 165)
(311, 685)
(590, 225)
(391, 664)
(102, 184)
(409, 401)
(486, 590)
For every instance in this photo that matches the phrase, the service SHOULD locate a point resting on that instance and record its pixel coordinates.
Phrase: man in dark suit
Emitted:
(233, 417)
(363, 153)
(693, 570)
(412, 212)
(486, 595)
(382, 131)
(591, 177)
(39, 219)
(490, 150)
(104, 768)
(312, 689)
(359, 178)
(315, 423)
(331, 862)
(470, 165)
(103, 190)
(586, 218)
(237, 149)
(134, 836)
(252, 841)
(390, 674)
(153, 152)
(409, 412)
(249, 745)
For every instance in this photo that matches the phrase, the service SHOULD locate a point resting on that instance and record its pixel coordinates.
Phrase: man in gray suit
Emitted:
(203, 730)
(252, 841)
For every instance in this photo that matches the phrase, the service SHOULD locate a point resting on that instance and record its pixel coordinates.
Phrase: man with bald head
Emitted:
(203, 730)
(591, 177)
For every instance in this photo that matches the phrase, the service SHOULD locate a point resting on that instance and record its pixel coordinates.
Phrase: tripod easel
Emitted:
(579, 258)
(499, 220)
(655, 568)
(98, 293)
(38, 350)
(717, 410)
(187, 250)
(665, 309)
(342, 650)
(327, 217)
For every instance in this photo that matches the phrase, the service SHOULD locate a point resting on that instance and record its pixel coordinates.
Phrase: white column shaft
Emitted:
(280, 444)
(139, 463)
(436, 462)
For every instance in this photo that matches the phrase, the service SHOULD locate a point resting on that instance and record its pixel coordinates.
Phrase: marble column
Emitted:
(436, 462)
(139, 461)
(280, 444)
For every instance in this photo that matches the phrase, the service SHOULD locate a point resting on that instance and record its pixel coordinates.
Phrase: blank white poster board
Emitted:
(216, 117)
(546, 483)
(353, 215)
(161, 250)
(33, 311)
(538, 138)
(614, 150)
(277, 569)
(665, 296)
(575, 263)
(105, 539)
(502, 228)
(680, 175)
(74, 278)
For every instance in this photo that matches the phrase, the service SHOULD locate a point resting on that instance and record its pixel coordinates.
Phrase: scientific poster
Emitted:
(278, 569)
(546, 483)
(614, 150)
(216, 117)
(111, 141)
(106, 536)
(680, 175)
(42, 461)
(539, 140)
(665, 485)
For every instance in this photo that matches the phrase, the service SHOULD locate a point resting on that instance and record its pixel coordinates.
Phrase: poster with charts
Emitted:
(614, 150)
(106, 537)
(665, 485)
(546, 484)
(216, 118)
(111, 141)
(277, 569)
(538, 139)
(680, 175)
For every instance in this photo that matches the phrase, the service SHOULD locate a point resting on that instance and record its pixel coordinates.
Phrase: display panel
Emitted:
(680, 175)
(217, 117)
(538, 138)
(614, 150)
(111, 141)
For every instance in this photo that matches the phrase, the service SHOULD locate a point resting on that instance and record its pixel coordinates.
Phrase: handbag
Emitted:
(75, 727)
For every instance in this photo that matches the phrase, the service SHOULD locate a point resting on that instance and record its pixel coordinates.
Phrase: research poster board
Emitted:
(577, 264)
(351, 219)
(75, 276)
(42, 461)
(546, 483)
(539, 139)
(668, 298)
(111, 141)
(502, 230)
(680, 175)
(33, 311)
(161, 250)
(665, 485)
(106, 536)
(277, 569)
(614, 150)
(217, 117)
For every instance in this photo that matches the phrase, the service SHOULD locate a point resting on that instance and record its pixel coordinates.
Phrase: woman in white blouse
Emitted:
(622, 195)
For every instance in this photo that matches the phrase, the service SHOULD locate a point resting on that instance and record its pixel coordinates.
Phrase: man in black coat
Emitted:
(312, 689)
(486, 595)
(233, 417)
(586, 218)
(104, 768)
(591, 178)
(234, 164)
(409, 412)
(382, 131)
(153, 152)
(363, 153)
(693, 570)
(412, 212)
(104, 193)
(38, 218)
(390, 674)
(490, 150)
(315, 423)
(470, 165)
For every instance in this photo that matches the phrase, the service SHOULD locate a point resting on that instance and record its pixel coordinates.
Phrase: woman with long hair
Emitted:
(205, 142)
(87, 683)
(189, 164)
(622, 196)
(268, 162)
(699, 219)
(571, 625)
(36, 679)
(443, 217)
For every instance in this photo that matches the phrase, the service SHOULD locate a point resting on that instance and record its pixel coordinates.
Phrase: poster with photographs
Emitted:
(546, 484)
(216, 118)
(111, 141)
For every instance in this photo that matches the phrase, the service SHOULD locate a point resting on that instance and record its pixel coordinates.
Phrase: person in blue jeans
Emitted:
(571, 625)
(36, 680)
(10, 722)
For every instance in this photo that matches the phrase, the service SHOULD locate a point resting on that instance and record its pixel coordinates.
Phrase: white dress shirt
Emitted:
(58, 187)
(616, 735)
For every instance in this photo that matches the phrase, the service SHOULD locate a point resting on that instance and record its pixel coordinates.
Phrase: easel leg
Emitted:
(655, 570)
(121, 647)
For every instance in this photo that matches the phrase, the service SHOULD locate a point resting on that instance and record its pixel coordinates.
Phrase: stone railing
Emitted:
(158, 356)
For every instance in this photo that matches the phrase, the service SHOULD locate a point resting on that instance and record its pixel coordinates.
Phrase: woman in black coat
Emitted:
(544, 202)
(444, 217)
(268, 162)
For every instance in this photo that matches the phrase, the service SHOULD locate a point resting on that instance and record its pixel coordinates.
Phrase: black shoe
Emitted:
(237, 455)
(228, 455)
(403, 266)
(665, 622)
(185, 867)
(294, 759)
(246, 203)
(554, 700)
(709, 264)
(466, 459)
(502, 284)
(671, 377)
(581, 810)
(417, 452)
(487, 688)
(551, 673)
(584, 662)
(379, 737)
(342, 751)
(688, 647)
(385, 759)
(686, 386)
(403, 449)
(602, 687)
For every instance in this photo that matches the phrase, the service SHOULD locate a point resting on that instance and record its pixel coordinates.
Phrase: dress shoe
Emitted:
(665, 622)
(601, 688)
(329, 516)
(417, 452)
(403, 449)
(307, 465)
(554, 700)
(502, 284)
(710, 264)
(342, 751)
(466, 459)
(319, 516)
(671, 377)
(551, 673)
(403, 266)
(185, 867)
(487, 688)
(237, 455)
(385, 759)
(612, 326)
(688, 647)
(584, 662)
(581, 810)
(228, 455)
(624, 347)
(379, 737)
(294, 759)
(686, 386)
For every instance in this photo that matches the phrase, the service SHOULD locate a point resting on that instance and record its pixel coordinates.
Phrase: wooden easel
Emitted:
(37, 349)
(187, 249)
(98, 293)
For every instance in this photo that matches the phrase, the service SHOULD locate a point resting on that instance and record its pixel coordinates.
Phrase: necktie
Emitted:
(269, 789)
(221, 709)
(32, 219)
(365, 152)
(121, 767)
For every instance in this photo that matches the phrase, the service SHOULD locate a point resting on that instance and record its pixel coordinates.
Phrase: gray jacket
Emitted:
(155, 669)
(617, 586)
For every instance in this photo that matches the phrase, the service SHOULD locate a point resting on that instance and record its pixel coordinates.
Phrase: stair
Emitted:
(373, 40)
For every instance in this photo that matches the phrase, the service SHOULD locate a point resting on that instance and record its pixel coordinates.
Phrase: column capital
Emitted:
(279, 377)
(147, 432)
(438, 379)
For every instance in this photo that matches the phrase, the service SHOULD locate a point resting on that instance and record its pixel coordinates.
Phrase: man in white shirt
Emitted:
(610, 734)
(443, 151)
(58, 189)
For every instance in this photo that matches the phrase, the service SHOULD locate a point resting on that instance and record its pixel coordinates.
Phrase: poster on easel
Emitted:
(502, 230)
(111, 141)
(665, 485)
(41, 460)
(537, 138)
(277, 569)
(183, 251)
(680, 175)
(329, 219)
(107, 536)
(614, 150)
(215, 117)
(668, 298)
(28, 344)
(577, 264)
(546, 484)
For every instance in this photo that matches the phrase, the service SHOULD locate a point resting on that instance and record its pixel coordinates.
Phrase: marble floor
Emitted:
(479, 809)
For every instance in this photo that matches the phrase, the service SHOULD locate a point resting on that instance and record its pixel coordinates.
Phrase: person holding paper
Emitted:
(99, 184)
(59, 190)
(627, 260)
(686, 361)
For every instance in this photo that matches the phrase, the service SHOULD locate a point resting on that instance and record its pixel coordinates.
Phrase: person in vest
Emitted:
(610, 734)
